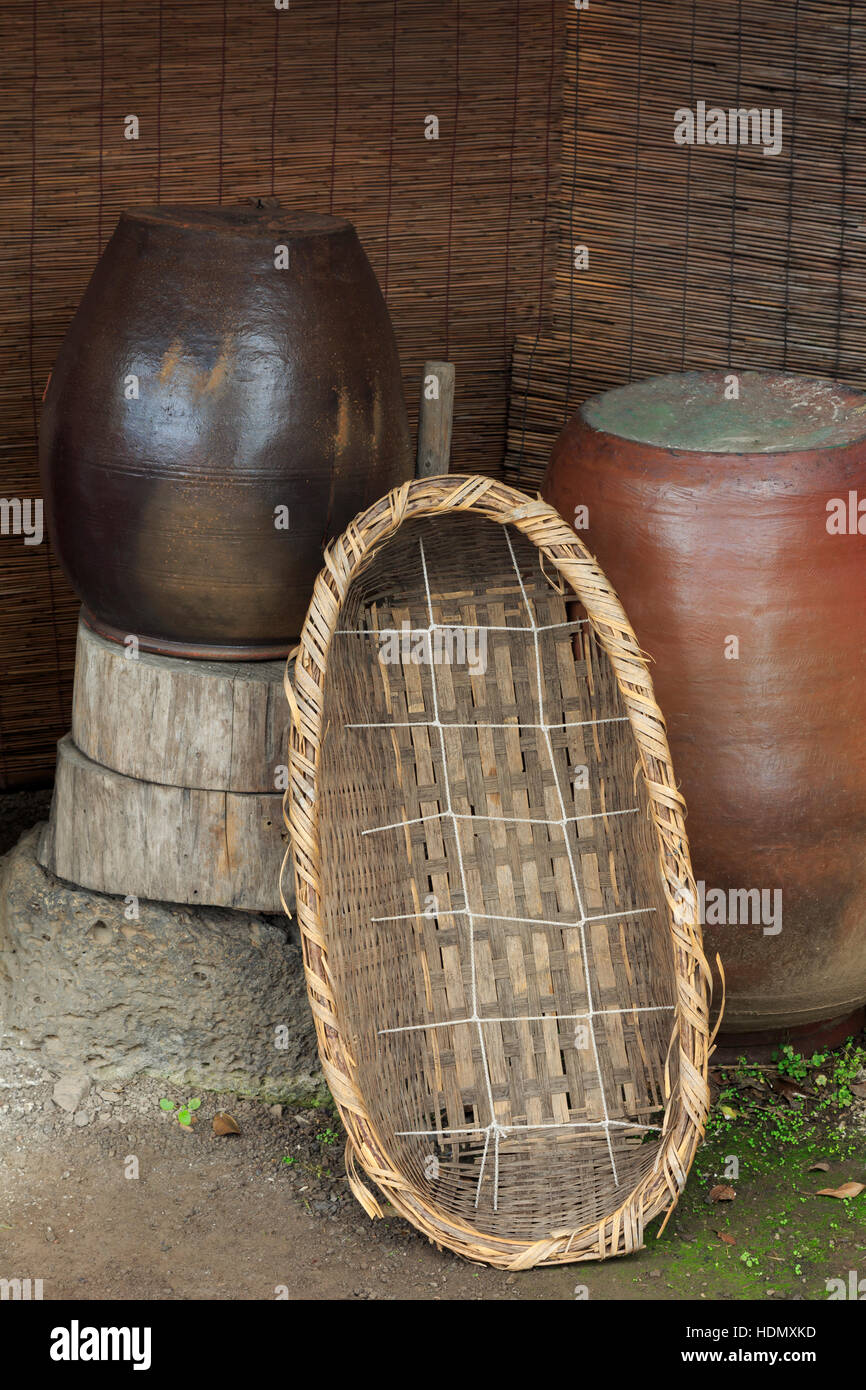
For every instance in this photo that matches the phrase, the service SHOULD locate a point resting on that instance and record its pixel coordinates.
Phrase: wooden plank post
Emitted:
(435, 416)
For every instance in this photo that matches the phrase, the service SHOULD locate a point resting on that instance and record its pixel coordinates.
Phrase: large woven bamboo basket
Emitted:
(493, 882)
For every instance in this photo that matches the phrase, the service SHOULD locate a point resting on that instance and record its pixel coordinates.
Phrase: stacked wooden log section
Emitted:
(169, 784)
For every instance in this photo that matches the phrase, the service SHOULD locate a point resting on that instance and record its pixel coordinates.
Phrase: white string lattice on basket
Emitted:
(494, 1129)
(440, 1018)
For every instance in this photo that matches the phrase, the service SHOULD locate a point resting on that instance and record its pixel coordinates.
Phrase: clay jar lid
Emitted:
(774, 413)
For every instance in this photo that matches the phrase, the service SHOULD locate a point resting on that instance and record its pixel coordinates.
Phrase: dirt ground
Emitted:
(268, 1213)
(115, 1200)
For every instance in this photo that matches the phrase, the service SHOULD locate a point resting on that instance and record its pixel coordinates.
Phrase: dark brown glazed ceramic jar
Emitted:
(731, 530)
(227, 396)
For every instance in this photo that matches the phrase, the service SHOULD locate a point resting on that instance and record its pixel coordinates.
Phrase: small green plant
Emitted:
(322, 1102)
(792, 1064)
(759, 1108)
(848, 1063)
(328, 1136)
(182, 1113)
(288, 1159)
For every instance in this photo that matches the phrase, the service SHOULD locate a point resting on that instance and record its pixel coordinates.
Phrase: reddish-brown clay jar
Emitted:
(722, 519)
(228, 396)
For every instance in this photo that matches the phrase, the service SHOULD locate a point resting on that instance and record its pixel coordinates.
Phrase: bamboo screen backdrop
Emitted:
(698, 256)
(323, 105)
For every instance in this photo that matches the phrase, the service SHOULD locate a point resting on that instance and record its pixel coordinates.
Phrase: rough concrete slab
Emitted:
(112, 988)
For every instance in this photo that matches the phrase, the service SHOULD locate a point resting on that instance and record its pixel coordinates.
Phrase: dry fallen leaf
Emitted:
(848, 1189)
(720, 1193)
(753, 1083)
(822, 1166)
(788, 1090)
(224, 1123)
(859, 1088)
(725, 1238)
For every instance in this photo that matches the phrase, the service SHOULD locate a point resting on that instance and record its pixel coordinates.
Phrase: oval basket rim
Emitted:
(621, 1230)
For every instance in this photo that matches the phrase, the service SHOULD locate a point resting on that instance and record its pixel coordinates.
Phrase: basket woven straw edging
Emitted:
(621, 1231)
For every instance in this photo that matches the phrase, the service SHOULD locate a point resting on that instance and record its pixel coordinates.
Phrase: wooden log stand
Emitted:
(168, 786)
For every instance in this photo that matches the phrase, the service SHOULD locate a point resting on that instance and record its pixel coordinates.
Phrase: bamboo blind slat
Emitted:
(700, 256)
(321, 105)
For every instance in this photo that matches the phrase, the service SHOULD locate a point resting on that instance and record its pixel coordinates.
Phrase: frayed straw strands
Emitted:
(493, 882)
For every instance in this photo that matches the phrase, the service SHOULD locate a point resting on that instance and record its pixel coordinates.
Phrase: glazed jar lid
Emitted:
(772, 412)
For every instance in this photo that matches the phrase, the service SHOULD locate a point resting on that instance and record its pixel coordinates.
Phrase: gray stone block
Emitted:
(203, 997)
